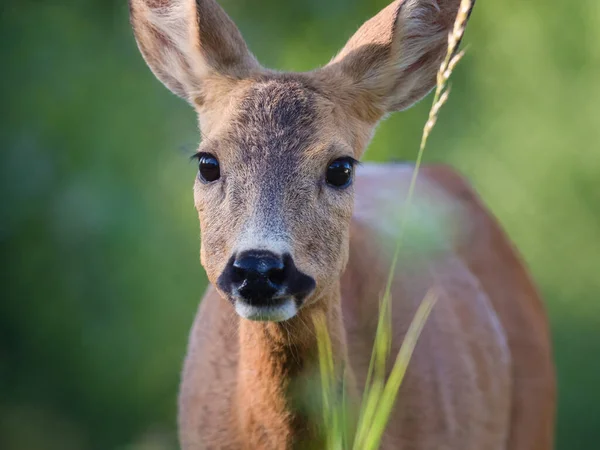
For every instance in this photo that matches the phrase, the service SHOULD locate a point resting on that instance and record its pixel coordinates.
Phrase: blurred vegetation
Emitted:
(99, 239)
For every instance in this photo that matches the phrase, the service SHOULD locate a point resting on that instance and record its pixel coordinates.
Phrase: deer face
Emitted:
(274, 190)
(274, 194)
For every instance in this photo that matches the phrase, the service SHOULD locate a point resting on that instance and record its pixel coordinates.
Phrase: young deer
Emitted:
(275, 195)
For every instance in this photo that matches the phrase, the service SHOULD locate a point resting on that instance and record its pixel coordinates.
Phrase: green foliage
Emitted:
(99, 238)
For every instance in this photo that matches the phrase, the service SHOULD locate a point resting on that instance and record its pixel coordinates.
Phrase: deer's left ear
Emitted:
(392, 60)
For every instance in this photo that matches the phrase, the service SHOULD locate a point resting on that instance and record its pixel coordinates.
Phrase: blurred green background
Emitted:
(99, 239)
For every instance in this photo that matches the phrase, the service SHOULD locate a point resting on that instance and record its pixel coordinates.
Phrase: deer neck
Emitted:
(279, 391)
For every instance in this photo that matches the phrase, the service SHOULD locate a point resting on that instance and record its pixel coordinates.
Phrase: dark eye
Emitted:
(339, 173)
(208, 166)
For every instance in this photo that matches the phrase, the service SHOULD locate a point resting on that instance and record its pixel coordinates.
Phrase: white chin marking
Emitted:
(276, 313)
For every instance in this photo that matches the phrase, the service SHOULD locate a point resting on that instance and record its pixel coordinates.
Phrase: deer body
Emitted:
(290, 231)
(481, 375)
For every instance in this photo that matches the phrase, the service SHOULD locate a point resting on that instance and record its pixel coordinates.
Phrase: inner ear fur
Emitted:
(392, 60)
(189, 42)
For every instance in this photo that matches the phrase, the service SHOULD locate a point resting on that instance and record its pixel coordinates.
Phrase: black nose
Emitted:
(261, 277)
(258, 274)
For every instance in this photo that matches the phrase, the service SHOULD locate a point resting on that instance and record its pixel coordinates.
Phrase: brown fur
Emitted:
(482, 374)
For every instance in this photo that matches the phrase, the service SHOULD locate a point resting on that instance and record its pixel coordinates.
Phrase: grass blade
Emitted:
(392, 386)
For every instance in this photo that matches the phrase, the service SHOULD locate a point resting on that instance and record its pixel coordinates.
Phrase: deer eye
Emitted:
(208, 167)
(339, 173)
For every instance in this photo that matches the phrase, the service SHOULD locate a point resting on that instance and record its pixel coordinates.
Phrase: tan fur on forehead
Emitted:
(224, 102)
(277, 109)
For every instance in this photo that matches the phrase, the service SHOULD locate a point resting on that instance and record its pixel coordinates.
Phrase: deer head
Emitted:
(274, 189)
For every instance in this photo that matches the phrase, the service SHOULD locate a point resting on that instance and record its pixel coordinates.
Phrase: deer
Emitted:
(292, 226)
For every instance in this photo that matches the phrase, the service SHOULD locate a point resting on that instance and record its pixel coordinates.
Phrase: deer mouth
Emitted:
(277, 310)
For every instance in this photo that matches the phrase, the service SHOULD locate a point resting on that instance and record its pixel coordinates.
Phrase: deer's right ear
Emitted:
(186, 42)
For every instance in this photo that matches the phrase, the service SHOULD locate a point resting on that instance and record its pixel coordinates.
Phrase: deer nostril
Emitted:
(238, 274)
(276, 276)
(258, 268)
